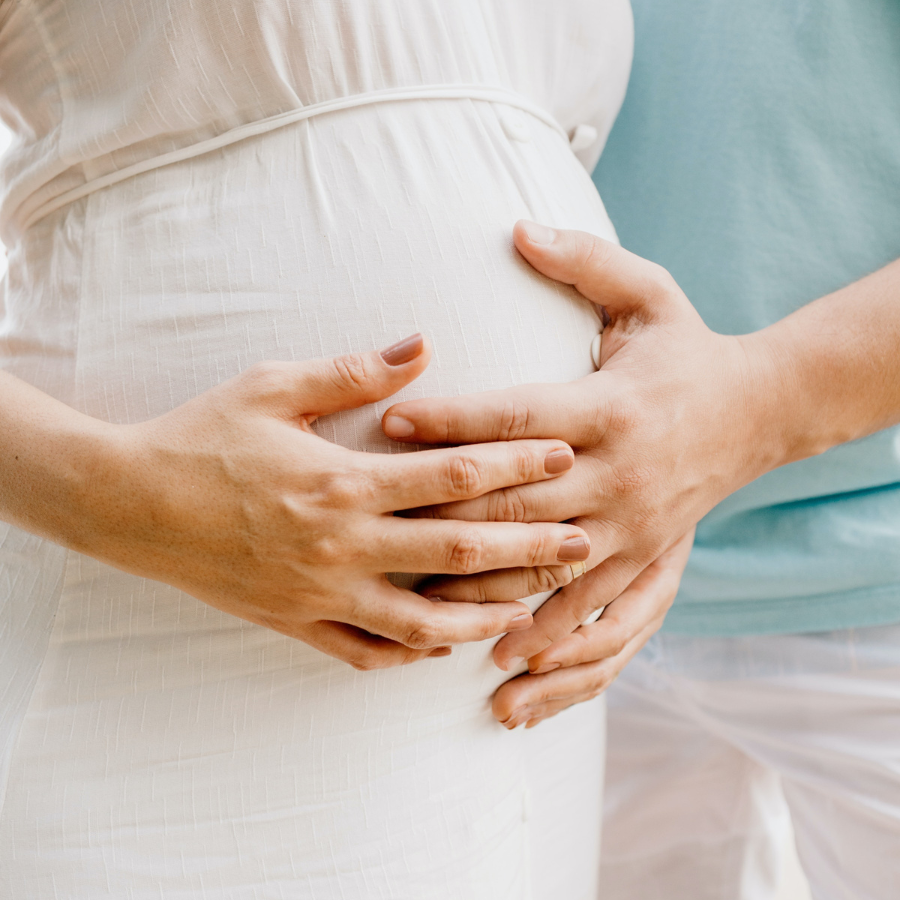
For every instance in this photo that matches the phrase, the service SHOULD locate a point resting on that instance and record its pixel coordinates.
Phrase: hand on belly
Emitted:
(233, 498)
(666, 430)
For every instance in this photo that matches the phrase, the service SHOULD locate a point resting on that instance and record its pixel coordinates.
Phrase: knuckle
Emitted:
(591, 253)
(548, 578)
(351, 371)
(328, 551)
(487, 626)
(465, 476)
(365, 661)
(629, 482)
(341, 489)
(423, 634)
(538, 547)
(513, 421)
(524, 464)
(507, 506)
(467, 553)
(264, 378)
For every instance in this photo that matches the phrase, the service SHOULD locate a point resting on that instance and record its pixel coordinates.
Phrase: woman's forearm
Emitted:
(50, 455)
(832, 369)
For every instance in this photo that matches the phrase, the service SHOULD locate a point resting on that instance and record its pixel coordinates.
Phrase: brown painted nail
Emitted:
(441, 651)
(557, 461)
(520, 622)
(575, 548)
(517, 717)
(546, 667)
(403, 351)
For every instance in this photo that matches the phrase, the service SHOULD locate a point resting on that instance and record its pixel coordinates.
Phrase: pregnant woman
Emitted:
(198, 187)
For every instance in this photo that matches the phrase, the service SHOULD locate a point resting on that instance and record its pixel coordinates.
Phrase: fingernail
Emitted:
(514, 663)
(441, 651)
(575, 548)
(398, 427)
(538, 234)
(532, 722)
(546, 667)
(520, 622)
(557, 461)
(515, 719)
(403, 351)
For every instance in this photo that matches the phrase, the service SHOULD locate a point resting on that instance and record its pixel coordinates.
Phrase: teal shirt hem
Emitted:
(863, 608)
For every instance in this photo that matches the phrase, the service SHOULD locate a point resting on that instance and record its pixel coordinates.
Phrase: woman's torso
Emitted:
(185, 728)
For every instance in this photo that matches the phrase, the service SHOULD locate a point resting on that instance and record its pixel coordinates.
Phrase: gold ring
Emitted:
(578, 569)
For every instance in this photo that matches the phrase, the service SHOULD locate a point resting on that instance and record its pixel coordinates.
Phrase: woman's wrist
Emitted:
(54, 462)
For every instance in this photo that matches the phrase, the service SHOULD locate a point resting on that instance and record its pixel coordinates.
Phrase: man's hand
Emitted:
(673, 422)
(586, 662)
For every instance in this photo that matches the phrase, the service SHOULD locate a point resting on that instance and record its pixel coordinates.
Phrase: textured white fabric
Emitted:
(716, 744)
(155, 747)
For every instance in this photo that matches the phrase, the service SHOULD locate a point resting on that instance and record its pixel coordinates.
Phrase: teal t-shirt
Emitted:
(757, 157)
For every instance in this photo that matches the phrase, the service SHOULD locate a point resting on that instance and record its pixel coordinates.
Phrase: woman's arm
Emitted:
(678, 418)
(234, 499)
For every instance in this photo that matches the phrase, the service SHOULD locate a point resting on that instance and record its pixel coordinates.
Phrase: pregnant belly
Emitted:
(342, 233)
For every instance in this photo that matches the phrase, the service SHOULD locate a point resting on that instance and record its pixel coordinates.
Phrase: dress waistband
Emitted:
(251, 129)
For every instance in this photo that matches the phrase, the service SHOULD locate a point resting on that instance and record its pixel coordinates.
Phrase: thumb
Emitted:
(617, 281)
(322, 386)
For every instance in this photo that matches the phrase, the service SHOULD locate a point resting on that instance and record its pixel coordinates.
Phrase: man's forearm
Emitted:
(832, 369)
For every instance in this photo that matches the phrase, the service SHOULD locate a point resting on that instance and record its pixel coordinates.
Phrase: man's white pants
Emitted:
(715, 744)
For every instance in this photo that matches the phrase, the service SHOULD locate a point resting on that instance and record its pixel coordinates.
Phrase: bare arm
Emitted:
(233, 498)
(678, 418)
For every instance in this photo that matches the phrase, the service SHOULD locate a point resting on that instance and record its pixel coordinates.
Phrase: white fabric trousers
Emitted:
(715, 744)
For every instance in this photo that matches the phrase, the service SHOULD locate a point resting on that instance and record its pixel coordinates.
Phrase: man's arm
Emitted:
(678, 418)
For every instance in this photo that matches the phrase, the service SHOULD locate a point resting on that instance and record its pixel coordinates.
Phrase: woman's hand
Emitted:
(234, 499)
(673, 422)
(585, 663)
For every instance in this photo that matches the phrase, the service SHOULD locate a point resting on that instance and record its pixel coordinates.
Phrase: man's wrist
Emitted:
(787, 416)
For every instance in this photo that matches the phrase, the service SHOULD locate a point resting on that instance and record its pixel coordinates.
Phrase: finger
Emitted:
(607, 274)
(319, 386)
(440, 476)
(464, 548)
(421, 624)
(517, 583)
(572, 412)
(530, 716)
(548, 501)
(530, 697)
(642, 605)
(360, 649)
(567, 610)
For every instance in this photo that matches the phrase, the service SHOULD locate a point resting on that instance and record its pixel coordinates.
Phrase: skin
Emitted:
(233, 498)
(678, 418)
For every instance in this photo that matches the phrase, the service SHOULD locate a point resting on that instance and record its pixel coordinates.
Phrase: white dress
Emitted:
(199, 185)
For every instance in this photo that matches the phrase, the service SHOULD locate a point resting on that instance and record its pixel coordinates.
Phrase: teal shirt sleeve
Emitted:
(757, 157)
